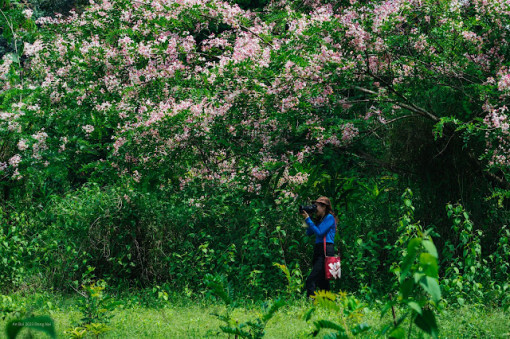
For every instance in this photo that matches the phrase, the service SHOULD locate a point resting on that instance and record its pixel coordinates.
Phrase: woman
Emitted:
(324, 229)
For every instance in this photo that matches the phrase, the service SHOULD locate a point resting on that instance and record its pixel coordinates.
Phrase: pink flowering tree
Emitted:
(205, 90)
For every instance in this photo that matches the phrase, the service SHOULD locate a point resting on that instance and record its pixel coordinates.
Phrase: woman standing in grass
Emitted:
(324, 228)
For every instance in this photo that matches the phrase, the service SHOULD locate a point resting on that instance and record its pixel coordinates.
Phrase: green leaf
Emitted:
(397, 333)
(42, 323)
(322, 324)
(431, 286)
(406, 288)
(13, 57)
(429, 264)
(411, 255)
(272, 310)
(430, 247)
(427, 323)
(415, 306)
(360, 328)
(308, 314)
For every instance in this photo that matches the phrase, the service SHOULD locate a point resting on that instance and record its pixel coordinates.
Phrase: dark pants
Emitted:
(317, 279)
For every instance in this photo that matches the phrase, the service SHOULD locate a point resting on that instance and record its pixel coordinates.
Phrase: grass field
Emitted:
(181, 317)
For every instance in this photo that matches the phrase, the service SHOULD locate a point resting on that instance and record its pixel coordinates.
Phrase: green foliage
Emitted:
(348, 309)
(294, 279)
(95, 306)
(469, 276)
(97, 310)
(15, 28)
(20, 246)
(10, 308)
(252, 329)
(419, 293)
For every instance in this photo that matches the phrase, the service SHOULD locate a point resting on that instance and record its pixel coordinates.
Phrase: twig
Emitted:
(393, 312)
(445, 147)
(80, 293)
(410, 107)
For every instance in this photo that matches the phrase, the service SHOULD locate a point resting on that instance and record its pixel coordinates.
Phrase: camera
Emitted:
(308, 209)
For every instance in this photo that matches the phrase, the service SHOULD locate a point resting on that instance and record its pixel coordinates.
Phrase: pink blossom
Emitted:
(259, 174)
(144, 50)
(5, 66)
(324, 13)
(22, 145)
(246, 46)
(125, 41)
(33, 49)
(421, 43)
(88, 129)
(17, 175)
(504, 83)
(15, 160)
(289, 103)
(349, 132)
(214, 42)
(28, 13)
(497, 118)
(298, 179)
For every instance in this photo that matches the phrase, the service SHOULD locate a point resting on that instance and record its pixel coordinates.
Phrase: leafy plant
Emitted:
(11, 309)
(252, 329)
(348, 309)
(294, 278)
(418, 287)
(466, 268)
(97, 310)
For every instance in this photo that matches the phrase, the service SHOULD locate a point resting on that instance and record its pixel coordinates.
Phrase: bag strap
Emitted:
(324, 242)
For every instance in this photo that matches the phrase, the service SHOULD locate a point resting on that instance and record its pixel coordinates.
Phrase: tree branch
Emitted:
(410, 107)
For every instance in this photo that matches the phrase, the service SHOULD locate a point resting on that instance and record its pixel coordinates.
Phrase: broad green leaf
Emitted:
(406, 288)
(418, 276)
(415, 306)
(398, 333)
(431, 286)
(429, 265)
(430, 247)
(13, 57)
(427, 322)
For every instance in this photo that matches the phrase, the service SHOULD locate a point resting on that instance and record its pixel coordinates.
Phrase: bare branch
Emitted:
(410, 107)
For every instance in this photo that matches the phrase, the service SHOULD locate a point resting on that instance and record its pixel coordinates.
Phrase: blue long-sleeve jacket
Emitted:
(326, 227)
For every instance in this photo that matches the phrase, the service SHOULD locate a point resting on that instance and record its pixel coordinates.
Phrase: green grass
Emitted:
(181, 317)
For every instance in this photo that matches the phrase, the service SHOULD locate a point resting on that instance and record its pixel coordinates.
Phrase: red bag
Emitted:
(332, 265)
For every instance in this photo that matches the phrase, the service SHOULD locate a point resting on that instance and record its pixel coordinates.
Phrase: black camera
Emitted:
(311, 209)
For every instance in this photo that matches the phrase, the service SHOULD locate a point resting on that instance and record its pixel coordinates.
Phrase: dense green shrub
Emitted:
(20, 247)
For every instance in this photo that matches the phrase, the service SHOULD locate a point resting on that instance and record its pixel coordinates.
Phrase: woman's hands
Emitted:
(304, 215)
